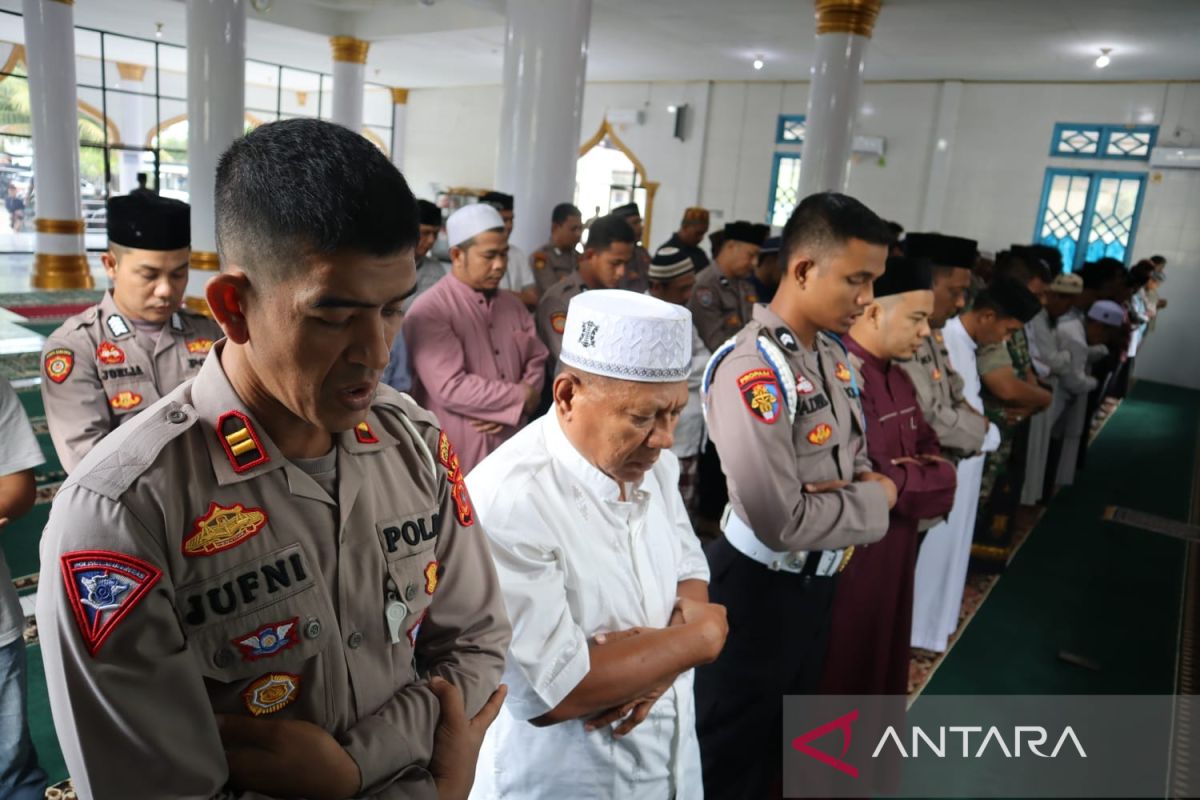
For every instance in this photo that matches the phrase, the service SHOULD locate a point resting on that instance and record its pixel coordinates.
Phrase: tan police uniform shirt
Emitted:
(551, 314)
(960, 429)
(720, 306)
(98, 373)
(767, 461)
(637, 271)
(190, 569)
(551, 265)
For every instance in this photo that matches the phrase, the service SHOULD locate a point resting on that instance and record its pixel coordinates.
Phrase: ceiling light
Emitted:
(758, 62)
(158, 30)
(1103, 61)
(671, 109)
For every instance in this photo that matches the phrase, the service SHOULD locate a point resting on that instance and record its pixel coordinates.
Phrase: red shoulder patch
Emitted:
(458, 486)
(760, 392)
(58, 364)
(102, 588)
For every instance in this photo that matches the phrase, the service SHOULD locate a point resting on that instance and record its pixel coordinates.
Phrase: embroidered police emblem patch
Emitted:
(102, 588)
(458, 487)
(842, 372)
(199, 346)
(109, 353)
(268, 640)
(820, 434)
(558, 322)
(760, 392)
(271, 692)
(59, 363)
(223, 527)
(123, 401)
(804, 385)
(705, 297)
(431, 577)
(587, 333)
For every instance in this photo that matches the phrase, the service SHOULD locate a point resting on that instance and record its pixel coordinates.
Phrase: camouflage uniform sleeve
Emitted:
(766, 476)
(76, 406)
(118, 670)
(463, 637)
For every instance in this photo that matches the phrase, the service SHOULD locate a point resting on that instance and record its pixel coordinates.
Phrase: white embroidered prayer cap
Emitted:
(628, 336)
(470, 221)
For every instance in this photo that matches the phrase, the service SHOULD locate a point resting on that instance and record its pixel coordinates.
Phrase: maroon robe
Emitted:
(872, 606)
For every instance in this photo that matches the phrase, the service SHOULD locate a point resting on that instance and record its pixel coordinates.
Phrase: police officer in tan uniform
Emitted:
(271, 582)
(557, 259)
(723, 297)
(782, 406)
(605, 259)
(960, 429)
(103, 366)
(637, 271)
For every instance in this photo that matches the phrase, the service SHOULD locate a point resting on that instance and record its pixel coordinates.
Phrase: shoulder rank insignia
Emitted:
(123, 401)
(458, 487)
(176, 322)
(109, 353)
(59, 363)
(804, 385)
(937, 374)
(223, 527)
(431, 576)
(268, 640)
(102, 588)
(842, 372)
(558, 322)
(241, 443)
(760, 392)
(199, 346)
(364, 434)
(271, 692)
(786, 339)
(820, 434)
(117, 326)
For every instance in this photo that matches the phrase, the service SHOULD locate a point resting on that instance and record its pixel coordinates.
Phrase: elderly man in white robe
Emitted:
(601, 573)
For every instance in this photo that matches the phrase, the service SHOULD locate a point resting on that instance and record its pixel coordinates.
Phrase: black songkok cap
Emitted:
(626, 211)
(943, 251)
(149, 222)
(746, 232)
(904, 274)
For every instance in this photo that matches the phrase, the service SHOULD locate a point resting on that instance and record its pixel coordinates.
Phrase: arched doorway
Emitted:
(608, 175)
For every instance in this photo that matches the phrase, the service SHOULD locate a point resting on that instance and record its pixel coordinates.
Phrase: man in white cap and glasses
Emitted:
(604, 579)
(476, 360)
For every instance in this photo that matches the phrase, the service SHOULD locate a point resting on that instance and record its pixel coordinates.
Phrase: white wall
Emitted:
(997, 150)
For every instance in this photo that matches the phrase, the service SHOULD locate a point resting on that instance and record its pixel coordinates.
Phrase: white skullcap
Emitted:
(1107, 312)
(470, 221)
(628, 336)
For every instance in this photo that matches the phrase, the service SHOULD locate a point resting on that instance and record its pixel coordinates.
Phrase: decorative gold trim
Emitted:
(205, 260)
(131, 72)
(166, 123)
(197, 305)
(51, 271)
(375, 139)
(651, 187)
(15, 56)
(44, 225)
(114, 133)
(399, 96)
(347, 48)
(64, 2)
(847, 16)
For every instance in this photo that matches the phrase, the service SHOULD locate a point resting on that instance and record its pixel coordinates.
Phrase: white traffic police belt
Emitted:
(822, 563)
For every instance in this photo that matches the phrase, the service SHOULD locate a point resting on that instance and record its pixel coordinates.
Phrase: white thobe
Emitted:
(1049, 360)
(519, 274)
(942, 560)
(690, 430)
(575, 561)
(1071, 416)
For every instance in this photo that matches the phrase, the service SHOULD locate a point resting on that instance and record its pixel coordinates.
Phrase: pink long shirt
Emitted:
(470, 356)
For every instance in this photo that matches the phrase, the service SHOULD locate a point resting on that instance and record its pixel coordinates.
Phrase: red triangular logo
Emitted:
(840, 724)
(103, 587)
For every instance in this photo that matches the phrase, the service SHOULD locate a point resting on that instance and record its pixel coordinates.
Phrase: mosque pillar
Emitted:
(399, 120)
(132, 127)
(843, 29)
(60, 259)
(216, 98)
(545, 62)
(349, 66)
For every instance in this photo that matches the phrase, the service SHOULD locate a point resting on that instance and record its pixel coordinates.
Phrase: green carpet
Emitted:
(1102, 591)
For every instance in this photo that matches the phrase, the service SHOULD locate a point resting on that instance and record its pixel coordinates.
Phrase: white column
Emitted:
(349, 66)
(216, 91)
(941, 150)
(399, 121)
(131, 124)
(843, 30)
(60, 261)
(545, 61)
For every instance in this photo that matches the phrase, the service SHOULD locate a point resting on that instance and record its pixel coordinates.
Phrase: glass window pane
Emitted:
(377, 106)
(129, 63)
(14, 105)
(299, 97)
(131, 116)
(785, 193)
(173, 175)
(326, 96)
(87, 57)
(16, 184)
(12, 44)
(171, 131)
(172, 71)
(124, 166)
(92, 122)
(381, 137)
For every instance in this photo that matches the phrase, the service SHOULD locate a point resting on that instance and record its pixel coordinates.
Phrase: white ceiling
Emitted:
(460, 42)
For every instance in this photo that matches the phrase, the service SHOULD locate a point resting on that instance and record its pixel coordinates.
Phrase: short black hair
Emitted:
(564, 211)
(827, 219)
(299, 187)
(607, 231)
(1098, 274)
(1022, 266)
(1159, 260)
(897, 230)
(1008, 298)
